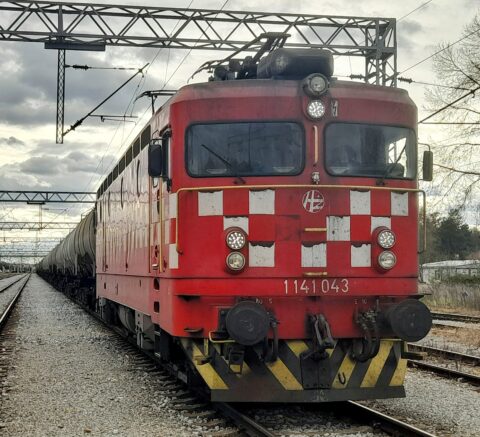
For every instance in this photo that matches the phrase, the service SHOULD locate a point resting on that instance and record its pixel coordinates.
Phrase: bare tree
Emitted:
(457, 102)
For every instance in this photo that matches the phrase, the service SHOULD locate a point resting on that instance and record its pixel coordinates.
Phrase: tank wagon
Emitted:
(71, 264)
(260, 235)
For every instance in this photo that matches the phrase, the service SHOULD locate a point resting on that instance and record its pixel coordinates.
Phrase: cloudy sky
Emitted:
(30, 159)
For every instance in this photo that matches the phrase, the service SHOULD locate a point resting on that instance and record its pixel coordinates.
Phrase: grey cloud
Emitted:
(78, 170)
(11, 141)
(40, 165)
(410, 27)
(80, 162)
(28, 92)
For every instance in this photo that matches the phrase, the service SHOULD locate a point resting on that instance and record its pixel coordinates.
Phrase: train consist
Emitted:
(260, 235)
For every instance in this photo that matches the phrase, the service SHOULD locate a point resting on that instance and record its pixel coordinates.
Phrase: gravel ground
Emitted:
(70, 378)
(445, 407)
(451, 406)
(454, 336)
(300, 421)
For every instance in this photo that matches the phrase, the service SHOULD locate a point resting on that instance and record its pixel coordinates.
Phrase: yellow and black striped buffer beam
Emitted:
(294, 377)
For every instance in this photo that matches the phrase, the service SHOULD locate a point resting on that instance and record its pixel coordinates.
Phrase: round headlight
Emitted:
(387, 260)
(386, 238)
(236, 240)
(315, 85)
(235, 261)
(316, 109)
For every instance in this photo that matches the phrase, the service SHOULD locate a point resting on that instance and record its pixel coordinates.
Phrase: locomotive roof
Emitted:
(251, 88)
(285, 88)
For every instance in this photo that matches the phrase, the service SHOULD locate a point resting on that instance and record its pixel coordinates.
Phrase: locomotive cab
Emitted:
(275, 215)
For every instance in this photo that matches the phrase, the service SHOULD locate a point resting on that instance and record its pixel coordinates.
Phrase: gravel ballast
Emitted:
(71, 378)
(444, 407)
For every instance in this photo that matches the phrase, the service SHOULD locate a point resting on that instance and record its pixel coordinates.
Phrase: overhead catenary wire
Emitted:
(438, 51)
(410, 81)
(456, 170)
(81, 120)
(452, 122)
(444, 146)
(470, 93)
(87, 67)
(166, 83)
(137, 91)
(414, 10)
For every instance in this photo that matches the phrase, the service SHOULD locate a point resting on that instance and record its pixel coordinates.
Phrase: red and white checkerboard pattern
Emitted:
(359, 213)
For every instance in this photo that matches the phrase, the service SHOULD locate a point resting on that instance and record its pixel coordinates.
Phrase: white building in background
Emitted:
(441, 270)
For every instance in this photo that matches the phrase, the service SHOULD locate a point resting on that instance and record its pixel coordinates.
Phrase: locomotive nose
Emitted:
(410, 319)
(247, 323)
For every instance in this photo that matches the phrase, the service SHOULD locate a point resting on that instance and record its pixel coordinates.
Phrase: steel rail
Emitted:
(6, 314)
(456, 317)
(7, 286)
(383, 421)
(243, 422)
(443, 353)
(445, 371)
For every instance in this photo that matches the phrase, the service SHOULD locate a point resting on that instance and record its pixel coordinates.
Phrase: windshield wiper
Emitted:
(390, 167)
(226, 162)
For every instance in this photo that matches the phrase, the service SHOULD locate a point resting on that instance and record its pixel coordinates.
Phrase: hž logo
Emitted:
(313, 201)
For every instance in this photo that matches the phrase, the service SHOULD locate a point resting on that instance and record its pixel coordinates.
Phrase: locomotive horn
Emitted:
(410, 319)
(247, 323)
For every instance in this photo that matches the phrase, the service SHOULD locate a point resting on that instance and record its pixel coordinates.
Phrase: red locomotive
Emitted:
(260, 235)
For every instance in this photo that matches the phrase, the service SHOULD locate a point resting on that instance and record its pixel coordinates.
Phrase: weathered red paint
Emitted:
(132, 246)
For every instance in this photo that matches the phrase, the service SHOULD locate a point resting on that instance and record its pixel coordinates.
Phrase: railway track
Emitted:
(9, 308)
(4, 287)
(453, 357)
(7, 330)
(456, 317)
(218, 415)
(375, 420)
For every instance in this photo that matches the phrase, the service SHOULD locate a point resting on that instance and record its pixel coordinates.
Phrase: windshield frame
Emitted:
(297, 122)
(384, 175)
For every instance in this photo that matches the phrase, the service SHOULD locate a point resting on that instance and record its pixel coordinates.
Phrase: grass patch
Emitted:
(461, 298)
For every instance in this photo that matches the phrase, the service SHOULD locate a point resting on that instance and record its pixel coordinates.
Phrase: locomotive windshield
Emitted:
(370, 150)
(245, 149)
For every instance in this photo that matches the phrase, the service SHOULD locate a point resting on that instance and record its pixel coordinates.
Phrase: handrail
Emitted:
(311, 186)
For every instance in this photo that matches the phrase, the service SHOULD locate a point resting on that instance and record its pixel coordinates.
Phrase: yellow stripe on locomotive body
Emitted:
(337, 377)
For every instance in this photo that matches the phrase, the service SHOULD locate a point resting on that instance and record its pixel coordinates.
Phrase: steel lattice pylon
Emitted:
(60, 95)
(85, 26)
(35, 226)
(40, 197)
(30, 254)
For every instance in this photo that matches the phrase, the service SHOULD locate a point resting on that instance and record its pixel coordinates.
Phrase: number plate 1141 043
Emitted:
(316, 286)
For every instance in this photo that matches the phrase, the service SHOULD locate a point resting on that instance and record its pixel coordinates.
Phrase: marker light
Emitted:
(315, 85)
(386, 238)
(387, 260)
(316, 109)
(236, 240)
(235, 261)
